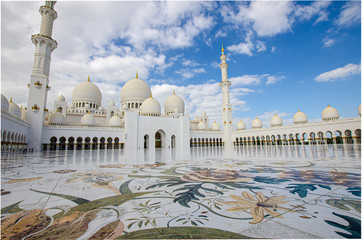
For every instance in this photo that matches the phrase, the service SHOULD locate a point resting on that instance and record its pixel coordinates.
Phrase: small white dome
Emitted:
(135, 89)
(88, 119)
(151, 107)
(115, 121)
(330, 113)
(359, 110)
(215, 126)
(100, 108)
(256, 123)
(61, 98)
(276, 121)
(174, 102)
(4, 103)
(87, 91)
(56, 118)
(201, 125)
(14, 109)
(240, 125)
(300, 117)
(111, 103)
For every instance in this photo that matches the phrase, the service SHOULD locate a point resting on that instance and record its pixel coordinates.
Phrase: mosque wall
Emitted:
(344, 128)
(14, 132)
(83, 136)
(160, 132)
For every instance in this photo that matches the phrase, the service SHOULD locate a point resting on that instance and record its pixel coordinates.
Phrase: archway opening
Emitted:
(71, 143)
(159, 139)
(79, 143)
(53, 143)
(173, 141)
(146, 140)
(62, 143)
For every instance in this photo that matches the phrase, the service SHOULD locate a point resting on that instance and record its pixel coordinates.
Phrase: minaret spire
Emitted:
(39, 79)
(226, 105)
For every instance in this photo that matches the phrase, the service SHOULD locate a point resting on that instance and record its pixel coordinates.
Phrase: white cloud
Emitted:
(266, 18)
(273, 79)
(339, 73)
(328, 42)
(248, 80)
(248, 47)
(187, 73)
(317, 8)
(351, 14)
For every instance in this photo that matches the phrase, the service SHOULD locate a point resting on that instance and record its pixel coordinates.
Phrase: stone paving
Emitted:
(245, 192)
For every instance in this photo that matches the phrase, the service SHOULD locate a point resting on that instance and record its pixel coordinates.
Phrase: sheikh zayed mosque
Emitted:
(85, 124)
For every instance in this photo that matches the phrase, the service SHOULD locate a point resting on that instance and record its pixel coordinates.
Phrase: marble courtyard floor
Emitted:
(246, 192)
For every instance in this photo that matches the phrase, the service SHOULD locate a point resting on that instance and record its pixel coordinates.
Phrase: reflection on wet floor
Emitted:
(292, 191)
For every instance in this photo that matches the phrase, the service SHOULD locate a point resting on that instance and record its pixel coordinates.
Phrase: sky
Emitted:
(282, 55)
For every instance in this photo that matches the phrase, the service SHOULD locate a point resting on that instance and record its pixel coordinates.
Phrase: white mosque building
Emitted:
(85, 124)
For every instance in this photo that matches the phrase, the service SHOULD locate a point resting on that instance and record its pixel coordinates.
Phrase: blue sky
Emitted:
(282, 55)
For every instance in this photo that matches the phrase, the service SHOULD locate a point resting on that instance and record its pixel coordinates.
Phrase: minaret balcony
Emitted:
(35, 108)
(38, 84)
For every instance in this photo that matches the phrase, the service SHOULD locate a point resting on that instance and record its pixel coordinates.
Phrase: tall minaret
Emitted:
(39, 79)
(226, 105)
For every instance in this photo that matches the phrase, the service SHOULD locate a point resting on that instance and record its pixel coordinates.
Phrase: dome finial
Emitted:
(21, 107)
(137, 74)
(174, 92)
(298, 110)
(88, 77)
(151, 95)
(222, 48)
(328, 104)
(275, 114)
(11, 99)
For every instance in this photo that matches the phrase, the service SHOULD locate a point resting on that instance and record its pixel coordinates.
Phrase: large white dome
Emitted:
(330, 113)
(240, 125)
(4, 103)
(151, 107)
(14, 109)
(115, 121)
(87, 91)
(256, 123)
(276, 121)
(300, 117)
(56, 118)
(174, 103)
(135, 89)
(88, 119)
(215, 126)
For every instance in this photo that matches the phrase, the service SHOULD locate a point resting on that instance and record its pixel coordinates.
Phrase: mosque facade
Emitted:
(85, 124)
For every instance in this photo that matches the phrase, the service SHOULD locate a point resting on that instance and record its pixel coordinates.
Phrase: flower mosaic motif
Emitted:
(215, 176)
(257, 205)
(323, 178)
(100, 180)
